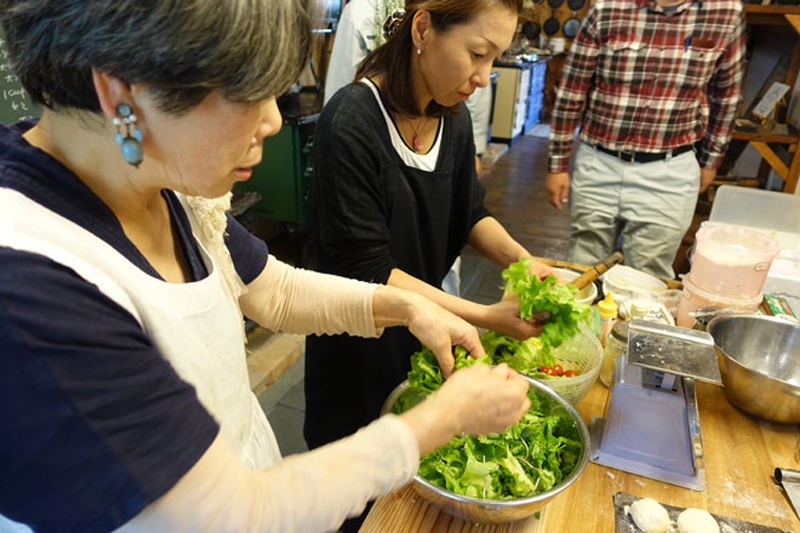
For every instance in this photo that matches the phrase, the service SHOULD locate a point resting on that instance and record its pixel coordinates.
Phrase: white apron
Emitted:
(196, 326)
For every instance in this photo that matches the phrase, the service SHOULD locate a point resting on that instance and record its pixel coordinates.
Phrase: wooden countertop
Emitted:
(741, 453)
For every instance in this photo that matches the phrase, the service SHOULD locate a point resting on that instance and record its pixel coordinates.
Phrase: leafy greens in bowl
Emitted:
(498, 477)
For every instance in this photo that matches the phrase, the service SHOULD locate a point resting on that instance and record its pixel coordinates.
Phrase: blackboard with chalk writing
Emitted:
(15, 102)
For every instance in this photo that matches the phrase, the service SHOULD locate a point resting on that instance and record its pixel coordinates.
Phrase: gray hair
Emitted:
(181, 50)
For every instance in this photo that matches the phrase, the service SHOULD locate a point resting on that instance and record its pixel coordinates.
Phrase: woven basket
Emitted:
(583, 354)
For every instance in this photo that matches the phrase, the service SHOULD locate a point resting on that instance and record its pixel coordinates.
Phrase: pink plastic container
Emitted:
(732, 261)
(693, 297)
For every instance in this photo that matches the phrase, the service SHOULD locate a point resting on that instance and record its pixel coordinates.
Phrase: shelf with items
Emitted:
(535, 97)
(517, 101)
(771, 139)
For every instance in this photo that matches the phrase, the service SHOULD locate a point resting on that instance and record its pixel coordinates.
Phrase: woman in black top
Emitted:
(395, 197)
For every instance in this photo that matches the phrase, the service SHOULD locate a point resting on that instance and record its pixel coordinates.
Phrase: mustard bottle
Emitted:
(608, 315)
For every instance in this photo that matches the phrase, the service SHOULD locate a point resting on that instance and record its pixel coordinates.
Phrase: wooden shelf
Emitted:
(772, 10)
(781, 133)
(772, 15)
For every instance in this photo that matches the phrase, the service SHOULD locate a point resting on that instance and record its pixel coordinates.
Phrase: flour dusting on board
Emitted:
(738, 495)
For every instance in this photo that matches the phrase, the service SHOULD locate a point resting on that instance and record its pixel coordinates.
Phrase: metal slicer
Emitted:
(789, 480)
(651, 425)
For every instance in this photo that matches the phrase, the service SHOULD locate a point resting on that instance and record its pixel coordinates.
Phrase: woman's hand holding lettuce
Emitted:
(545, 296)
(504, 317)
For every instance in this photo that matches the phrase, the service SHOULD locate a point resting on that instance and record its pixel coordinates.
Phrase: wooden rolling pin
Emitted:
(591, 273)
(561, 264)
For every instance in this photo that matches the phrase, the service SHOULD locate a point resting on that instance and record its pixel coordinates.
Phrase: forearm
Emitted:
(283, 298)
(431, 427)
(492, 241)
(394, 307)
(472, 312)
(313, 491)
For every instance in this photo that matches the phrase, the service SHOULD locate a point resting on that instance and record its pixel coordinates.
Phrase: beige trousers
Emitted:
(648, 205)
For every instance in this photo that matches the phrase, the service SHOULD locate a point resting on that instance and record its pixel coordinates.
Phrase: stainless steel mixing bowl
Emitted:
(759, 359)
(499, 511)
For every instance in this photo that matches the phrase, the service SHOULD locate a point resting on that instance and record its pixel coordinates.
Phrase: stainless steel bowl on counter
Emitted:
(759, 360)
(499, 511)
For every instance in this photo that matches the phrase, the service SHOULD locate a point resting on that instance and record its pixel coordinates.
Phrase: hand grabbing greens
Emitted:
(526, 459)
(549, 295)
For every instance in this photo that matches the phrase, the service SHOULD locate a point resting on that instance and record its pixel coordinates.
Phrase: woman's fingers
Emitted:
(440, 330)
(486, 400)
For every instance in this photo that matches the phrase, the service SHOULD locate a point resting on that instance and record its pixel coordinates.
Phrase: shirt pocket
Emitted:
(697, 66)
(625, 62)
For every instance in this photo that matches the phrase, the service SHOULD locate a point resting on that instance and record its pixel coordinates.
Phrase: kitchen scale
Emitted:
(651, 425)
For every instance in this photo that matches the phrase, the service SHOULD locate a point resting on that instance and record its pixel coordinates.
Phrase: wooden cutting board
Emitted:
(405, 511)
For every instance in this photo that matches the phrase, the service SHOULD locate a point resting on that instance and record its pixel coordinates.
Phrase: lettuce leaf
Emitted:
(549, 295)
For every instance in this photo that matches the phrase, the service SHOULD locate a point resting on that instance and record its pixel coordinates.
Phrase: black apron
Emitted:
(348, 378)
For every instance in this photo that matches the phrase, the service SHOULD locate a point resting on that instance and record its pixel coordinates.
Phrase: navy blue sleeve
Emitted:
(96, 424)
(249, 253)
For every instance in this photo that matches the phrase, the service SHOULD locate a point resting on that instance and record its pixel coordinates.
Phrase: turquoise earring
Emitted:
(130, 145)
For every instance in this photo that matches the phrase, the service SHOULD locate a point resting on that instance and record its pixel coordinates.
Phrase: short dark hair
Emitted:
(181, 50)
(393, 58)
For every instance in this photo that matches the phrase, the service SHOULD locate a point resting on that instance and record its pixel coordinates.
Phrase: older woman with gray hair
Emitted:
(126, 403)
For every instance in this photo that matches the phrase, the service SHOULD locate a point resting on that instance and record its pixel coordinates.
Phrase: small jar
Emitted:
(616, 345)
(639, 308)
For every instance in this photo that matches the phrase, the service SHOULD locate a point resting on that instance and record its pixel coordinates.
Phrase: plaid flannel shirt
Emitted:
(639, 80)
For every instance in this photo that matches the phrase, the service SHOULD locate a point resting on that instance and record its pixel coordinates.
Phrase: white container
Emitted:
(732, 261)
(693, 298)
(628, 283)
(756, 208)
(586, 295)
(670, 298)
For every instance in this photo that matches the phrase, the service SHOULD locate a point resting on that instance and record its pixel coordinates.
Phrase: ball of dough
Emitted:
(697, 521)
(650, 516)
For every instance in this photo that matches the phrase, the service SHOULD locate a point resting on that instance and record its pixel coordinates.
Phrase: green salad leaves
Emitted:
(544, 447)
(528, 458)
(526, 357)
(549, 295)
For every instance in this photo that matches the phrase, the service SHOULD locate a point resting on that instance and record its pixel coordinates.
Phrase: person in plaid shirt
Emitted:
(654, 85)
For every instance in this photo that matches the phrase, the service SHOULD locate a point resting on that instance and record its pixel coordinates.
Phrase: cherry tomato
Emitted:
(570, 373)
(558, 370)
(546, 370)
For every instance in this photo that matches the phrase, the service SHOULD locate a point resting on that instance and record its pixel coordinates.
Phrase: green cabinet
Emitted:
(282, 177)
